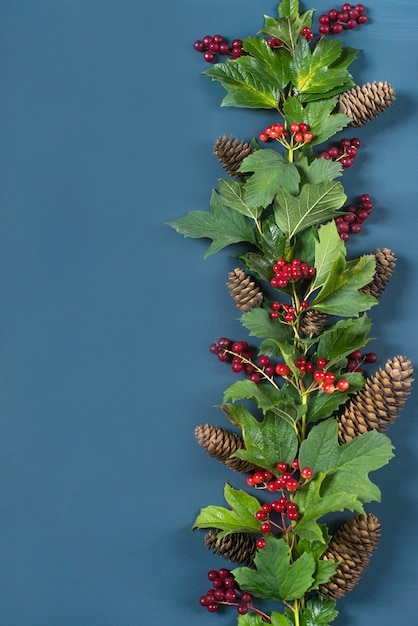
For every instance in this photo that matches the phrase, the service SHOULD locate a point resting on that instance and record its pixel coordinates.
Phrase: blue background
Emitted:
(106, 132)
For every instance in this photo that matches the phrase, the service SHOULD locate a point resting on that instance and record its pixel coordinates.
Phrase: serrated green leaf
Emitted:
(288, 27)
(263, 394)
(313, 73)
(343, 338)
(254, 80)
(346, 468)
(315, 204)
(240, 518)
(265, 441)
(328, 247)
(323, 121)
(278, 619)
(318, 171)
(270, 172)
(275, 577)
(287, 8)
(260, 324)
(313, 506)
(318, 611)
(232, 196)
(303, 246)
(345, 302)
(223, 226)
(325, 570)
(348, 55)
(272, 244)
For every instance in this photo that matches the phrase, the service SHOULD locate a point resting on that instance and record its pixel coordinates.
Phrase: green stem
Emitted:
(296, 612)
(304, 416)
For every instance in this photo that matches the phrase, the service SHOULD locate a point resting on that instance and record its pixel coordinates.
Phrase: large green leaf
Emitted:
(318, 171)
(275, 576)
(315, 204)
(270, 172)
(232, 196)
(268, 441)
(223, 226)
(263, 394)
(312, 72)
(346, 467)
(240, 518)
(254, 80)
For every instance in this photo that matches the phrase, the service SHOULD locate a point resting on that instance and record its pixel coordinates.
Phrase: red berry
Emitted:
(261, 543)
(329, 377)
(242, 609)
(298, 137)
(292, 484)
(321, 362)
(306, 472)
(319, 375)
(362, 19)
(294, 128)
(265, 527)
(209, 56)
(371, 357)
(281, 467)
(343, 385)
(260, 515)
(282, 369)
(328, 388)
(199, 45)
(263, 137)
(293, 515)
(295, 464)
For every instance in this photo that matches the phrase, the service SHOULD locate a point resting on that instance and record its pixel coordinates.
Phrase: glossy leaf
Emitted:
(270, 172)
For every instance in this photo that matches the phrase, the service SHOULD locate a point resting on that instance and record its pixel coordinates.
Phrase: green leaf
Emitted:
(303, 246)
(313, 506)
(223, 226)
(293, 110)
(263, 394)
(328, 247)
(312, 73)
(343, 338)
(319, 171)
(241, 517)
(323, 122)
(232, 196)
(288, 7)
(272, 243)
(319, 611)
(275, 577)
(265, 441)
(348, 55)
(254, 80)
(346, 467)
(315, 204)
(325, 570)
(270, 172)
(287, 28)
(260, 324)
(253, 619)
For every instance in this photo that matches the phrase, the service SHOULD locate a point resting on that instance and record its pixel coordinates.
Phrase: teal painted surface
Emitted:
(106, 132)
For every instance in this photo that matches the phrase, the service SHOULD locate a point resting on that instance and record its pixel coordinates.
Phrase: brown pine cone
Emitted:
(364, 103)
(352, 546)
(379, 402)
(246, 294)
(231, 152)
(313, 323)
(385, 265)
(237, 547)
(220, 444)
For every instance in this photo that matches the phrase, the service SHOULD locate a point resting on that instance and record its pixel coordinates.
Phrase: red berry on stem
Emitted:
(306, 472)
(343, 385)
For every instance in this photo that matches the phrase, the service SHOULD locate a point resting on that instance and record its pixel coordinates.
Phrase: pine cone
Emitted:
(385, 264)
(237, 547)
(364, 103)
(379, 402)
(352, 545)
(245, 292)
(231, 152)
(220, 444)
(313, 323)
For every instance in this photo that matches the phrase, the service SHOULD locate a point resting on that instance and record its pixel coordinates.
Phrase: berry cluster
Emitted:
(211, 45)
(225, 591)
(348, 16)
(324, 380)
(307, 33)
(289, 480)
(350, 223)
(239, 354)
(285, 272)
(344, 153)
(286, 312)
(356, 359)
(299, 134)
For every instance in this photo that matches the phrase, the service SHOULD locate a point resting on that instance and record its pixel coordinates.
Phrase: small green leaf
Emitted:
(293, 110)
(275, 577)
(318, 171)
(328, 247)
(260, 324)
(270, 172)
(241, 517)
(323, 121)
(322, 405)
(263, 394)
(325, 570)
(314, 204)
(288, 7)
(223, 226)
(319, 611)
(265, 441)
